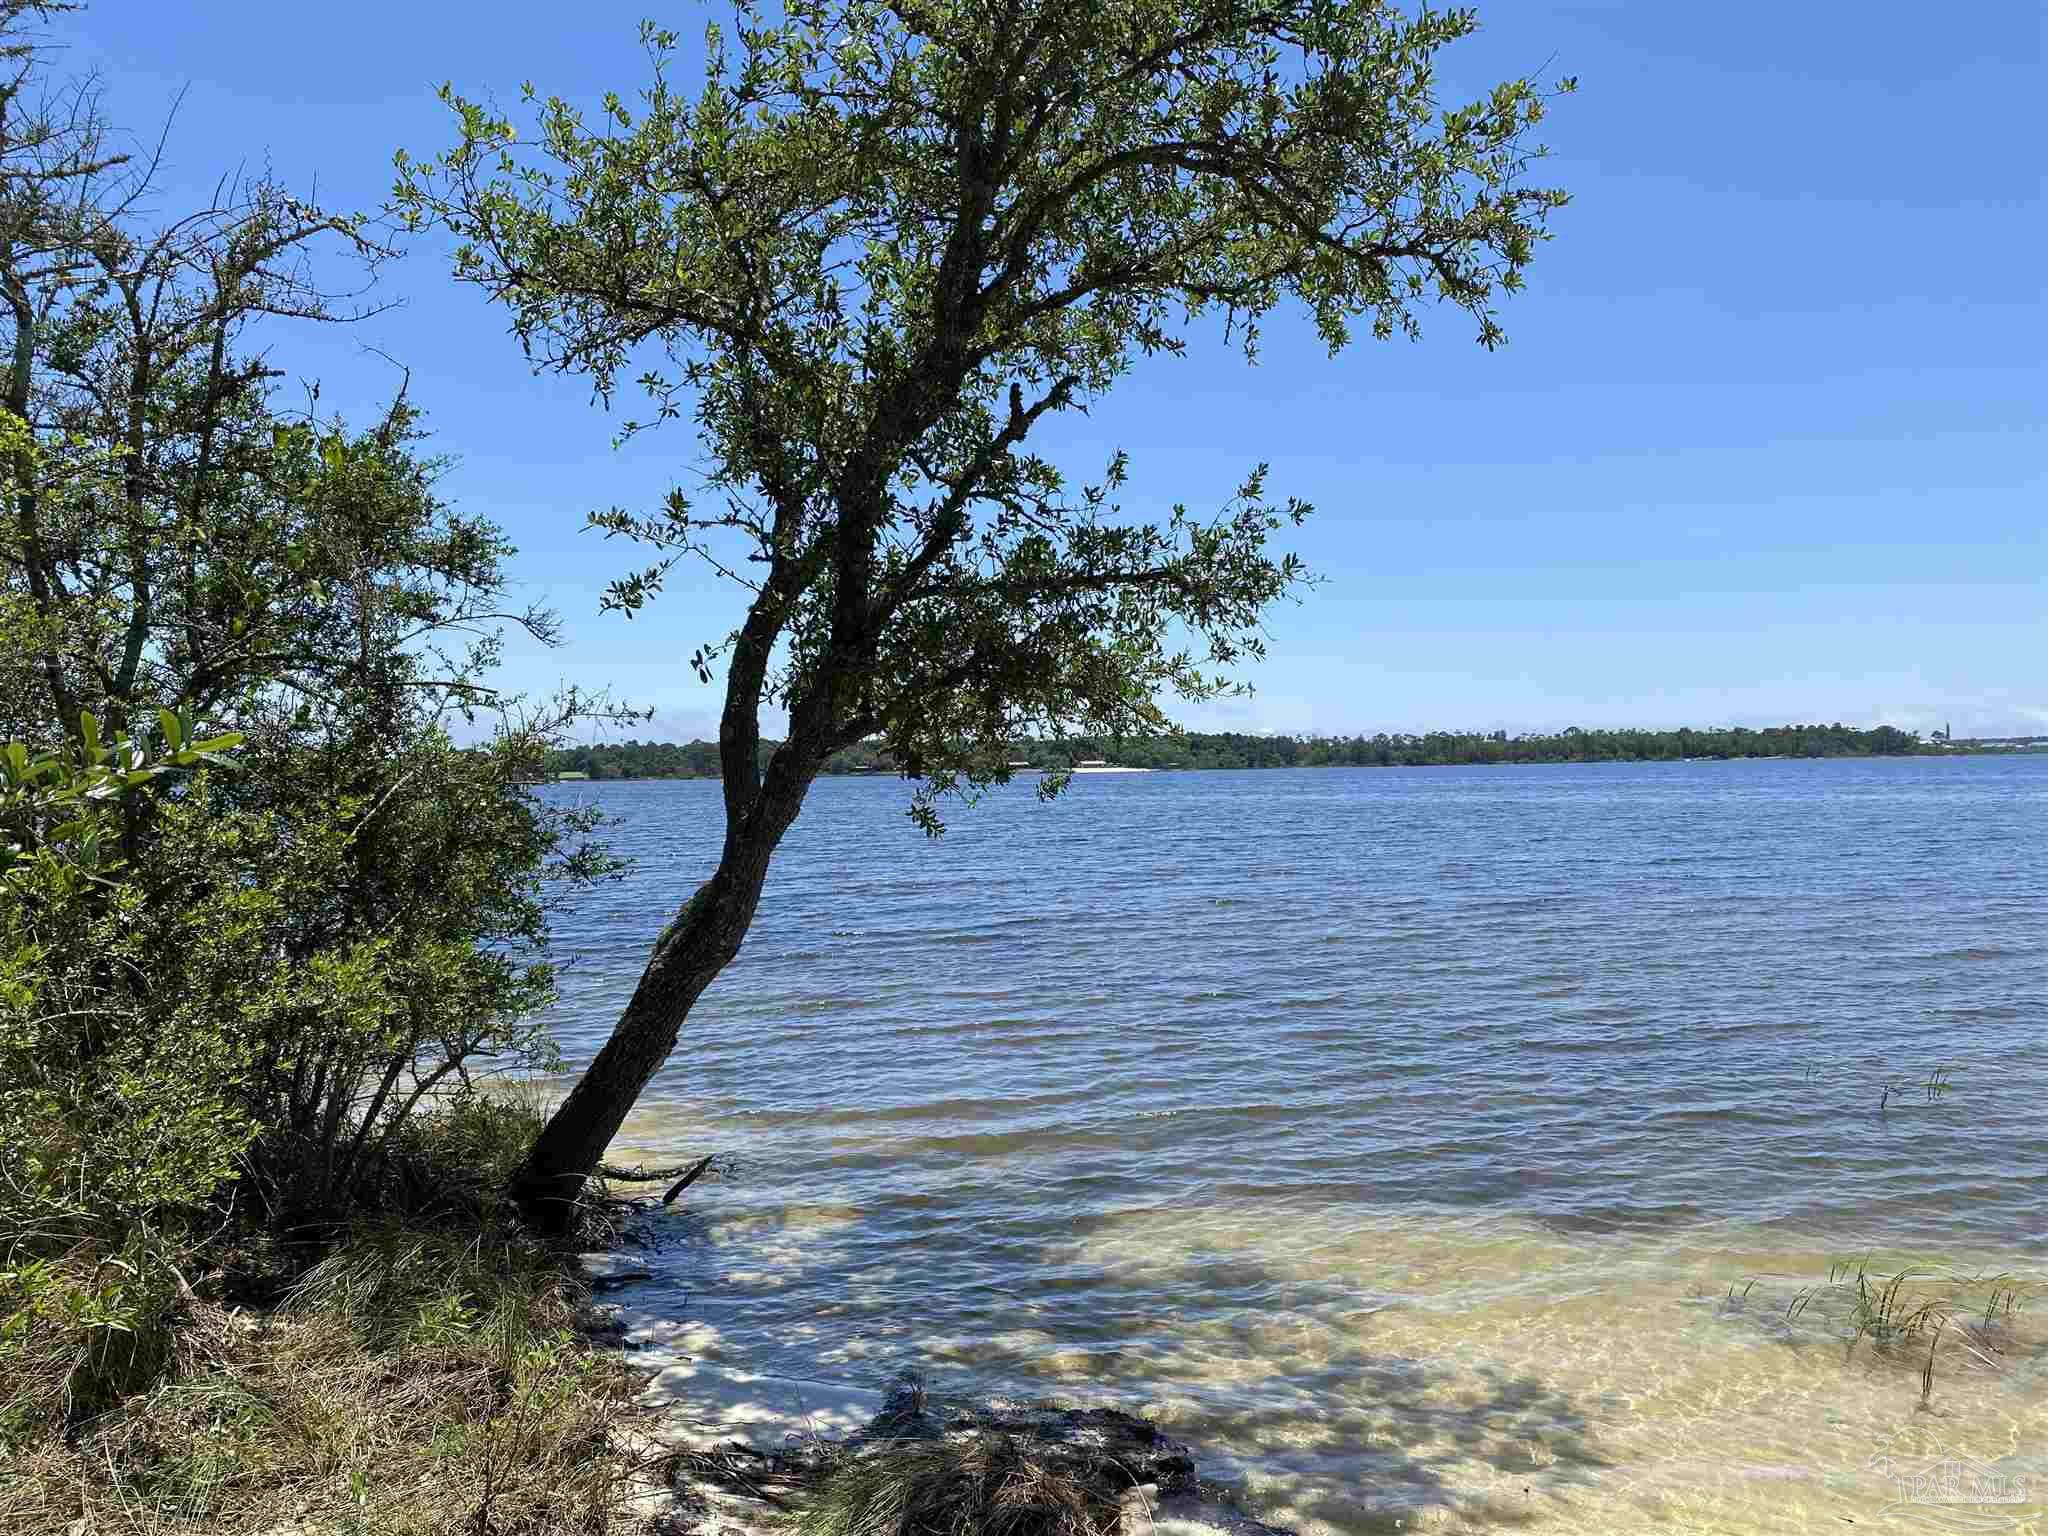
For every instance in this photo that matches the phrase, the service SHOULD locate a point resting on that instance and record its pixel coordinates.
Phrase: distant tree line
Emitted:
(1232, 749)
(639, 760)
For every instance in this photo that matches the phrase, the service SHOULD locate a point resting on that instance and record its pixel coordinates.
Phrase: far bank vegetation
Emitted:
(634, 759)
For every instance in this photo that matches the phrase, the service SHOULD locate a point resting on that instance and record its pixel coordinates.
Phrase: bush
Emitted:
(368, 924)
(117, 1120)
(264, 1024)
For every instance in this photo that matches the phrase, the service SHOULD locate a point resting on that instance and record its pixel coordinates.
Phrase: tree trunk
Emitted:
(699, 942)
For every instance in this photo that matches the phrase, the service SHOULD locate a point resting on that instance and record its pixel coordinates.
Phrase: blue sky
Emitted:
(1766, 444)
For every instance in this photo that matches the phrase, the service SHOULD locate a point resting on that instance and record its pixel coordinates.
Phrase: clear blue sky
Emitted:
(1766, 444)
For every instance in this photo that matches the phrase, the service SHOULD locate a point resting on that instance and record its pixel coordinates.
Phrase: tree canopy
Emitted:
(879, 244)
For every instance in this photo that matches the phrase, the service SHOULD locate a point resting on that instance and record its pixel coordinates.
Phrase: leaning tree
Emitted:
(877, 247)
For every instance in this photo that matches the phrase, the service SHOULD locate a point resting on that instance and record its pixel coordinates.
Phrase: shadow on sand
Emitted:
(1297, 1416)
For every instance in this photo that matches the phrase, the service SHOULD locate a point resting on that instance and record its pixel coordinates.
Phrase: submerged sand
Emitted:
(1485, 1375)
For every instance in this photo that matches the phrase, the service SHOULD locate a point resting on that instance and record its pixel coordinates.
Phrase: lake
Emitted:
(1400, 1137)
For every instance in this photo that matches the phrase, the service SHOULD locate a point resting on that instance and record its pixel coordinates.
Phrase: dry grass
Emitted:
(416, 1382)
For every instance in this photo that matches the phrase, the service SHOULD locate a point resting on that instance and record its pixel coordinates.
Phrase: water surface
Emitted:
(1395, 1134)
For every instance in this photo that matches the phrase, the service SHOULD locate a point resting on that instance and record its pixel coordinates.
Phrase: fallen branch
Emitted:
(686, 1180)
(646, 1175)
(741, 1469)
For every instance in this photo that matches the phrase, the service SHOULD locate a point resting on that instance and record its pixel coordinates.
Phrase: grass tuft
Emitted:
(1909, 1316)
(987, 1485)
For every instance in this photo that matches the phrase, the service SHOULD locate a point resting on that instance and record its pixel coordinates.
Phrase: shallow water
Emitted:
(1397, 1135)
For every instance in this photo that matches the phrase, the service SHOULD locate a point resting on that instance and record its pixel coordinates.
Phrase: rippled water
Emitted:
(1395, 1134)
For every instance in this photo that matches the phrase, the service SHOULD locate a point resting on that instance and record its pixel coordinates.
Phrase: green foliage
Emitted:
(81, 1330)
(633, 759)
(156, 552)
(223, 1031)
(54, 802)
(112, 1117)
(369, 949)
(868, 255)
(258, 909)
(410, 1289)
(111, 1134)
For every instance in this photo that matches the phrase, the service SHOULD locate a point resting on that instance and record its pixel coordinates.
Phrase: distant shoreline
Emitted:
(1206, 750)
(884, 773)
